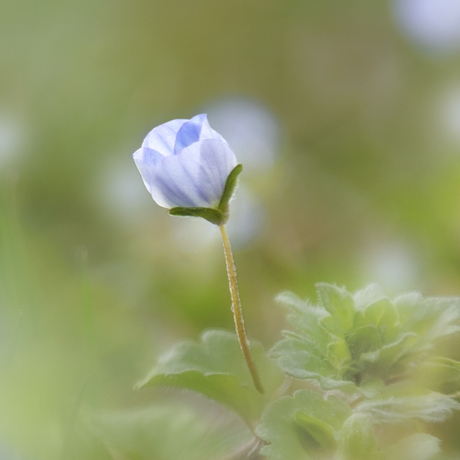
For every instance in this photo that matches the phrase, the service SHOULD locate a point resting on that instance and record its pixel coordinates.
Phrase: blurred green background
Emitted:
(346, 115)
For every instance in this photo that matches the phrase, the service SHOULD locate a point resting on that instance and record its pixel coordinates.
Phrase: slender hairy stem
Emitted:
(237, 311)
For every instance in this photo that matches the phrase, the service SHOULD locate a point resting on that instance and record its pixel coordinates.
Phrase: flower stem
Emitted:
(237, 311)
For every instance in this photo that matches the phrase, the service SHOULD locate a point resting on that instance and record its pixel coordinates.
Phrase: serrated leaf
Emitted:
(338, 302)
(215, 367)
(374, 312)
(297, 427)
(358, 440)
(363, 340)
(381, 314)
(297, 357)
(384, 316)
(444, 316)
(367, 296)
(407, 304)
(431, 408)
(307, 318)
(431, 319)
(387, 355)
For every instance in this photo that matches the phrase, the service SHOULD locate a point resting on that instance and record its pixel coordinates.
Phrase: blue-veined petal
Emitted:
(188, 134)
(194, 177)
(163, 137)
(194, 130)
(146, 159)
(217, 160)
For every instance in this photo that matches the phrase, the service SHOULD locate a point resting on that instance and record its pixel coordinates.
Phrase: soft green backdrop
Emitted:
(360, 183)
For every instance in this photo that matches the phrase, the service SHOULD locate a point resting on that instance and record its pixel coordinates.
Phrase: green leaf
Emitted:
(173, 431)
(429, 407)
(307, 318)
(419, 446)
(431, 319)
(363, 338)
(358, 440)
(338, 302)
(440, 374)
(321, 433)
(216, 368)
(367, 296)
(298, 427)
(298, 358)
(381, 314)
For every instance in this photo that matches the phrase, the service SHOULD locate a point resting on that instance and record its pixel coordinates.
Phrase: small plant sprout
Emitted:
(191, 170)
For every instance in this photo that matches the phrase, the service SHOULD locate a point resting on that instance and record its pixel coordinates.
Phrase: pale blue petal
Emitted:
(175, 183)
(146, 159)
(163, 137)
(194, 177)
(194, 130)
(189, 133)
(217, 160)
(206, 131)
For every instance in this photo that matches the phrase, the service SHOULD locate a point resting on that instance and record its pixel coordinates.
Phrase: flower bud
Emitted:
(186, 164)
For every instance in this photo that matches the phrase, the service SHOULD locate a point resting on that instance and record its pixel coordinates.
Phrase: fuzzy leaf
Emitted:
(363, 338)
(430, 407)
(216, 368)
(321, 433)
(298, 358)
(338, 302)
(358, 440)
(307, 318)
(297, 427)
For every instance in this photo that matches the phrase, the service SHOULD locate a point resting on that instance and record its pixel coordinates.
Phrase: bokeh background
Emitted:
(345, 114)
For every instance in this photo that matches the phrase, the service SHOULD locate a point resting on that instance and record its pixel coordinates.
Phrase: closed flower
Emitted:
(185, 164)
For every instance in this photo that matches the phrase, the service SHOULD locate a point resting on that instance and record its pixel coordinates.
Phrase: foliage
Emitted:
(364, 378)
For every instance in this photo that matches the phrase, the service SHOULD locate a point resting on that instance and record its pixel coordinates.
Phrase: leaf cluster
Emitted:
(360, 377)
(364, 341)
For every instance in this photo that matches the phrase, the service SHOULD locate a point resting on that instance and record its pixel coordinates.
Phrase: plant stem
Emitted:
(237, 311)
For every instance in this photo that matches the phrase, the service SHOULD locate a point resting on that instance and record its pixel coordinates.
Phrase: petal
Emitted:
(206, 131)
(195, 177)
(194, 130)
(146, 159)
(163, 137)
(217, 162)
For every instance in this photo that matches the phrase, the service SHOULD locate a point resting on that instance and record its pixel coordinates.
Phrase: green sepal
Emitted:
(215, 216)
(220, 214)
(229, 188)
